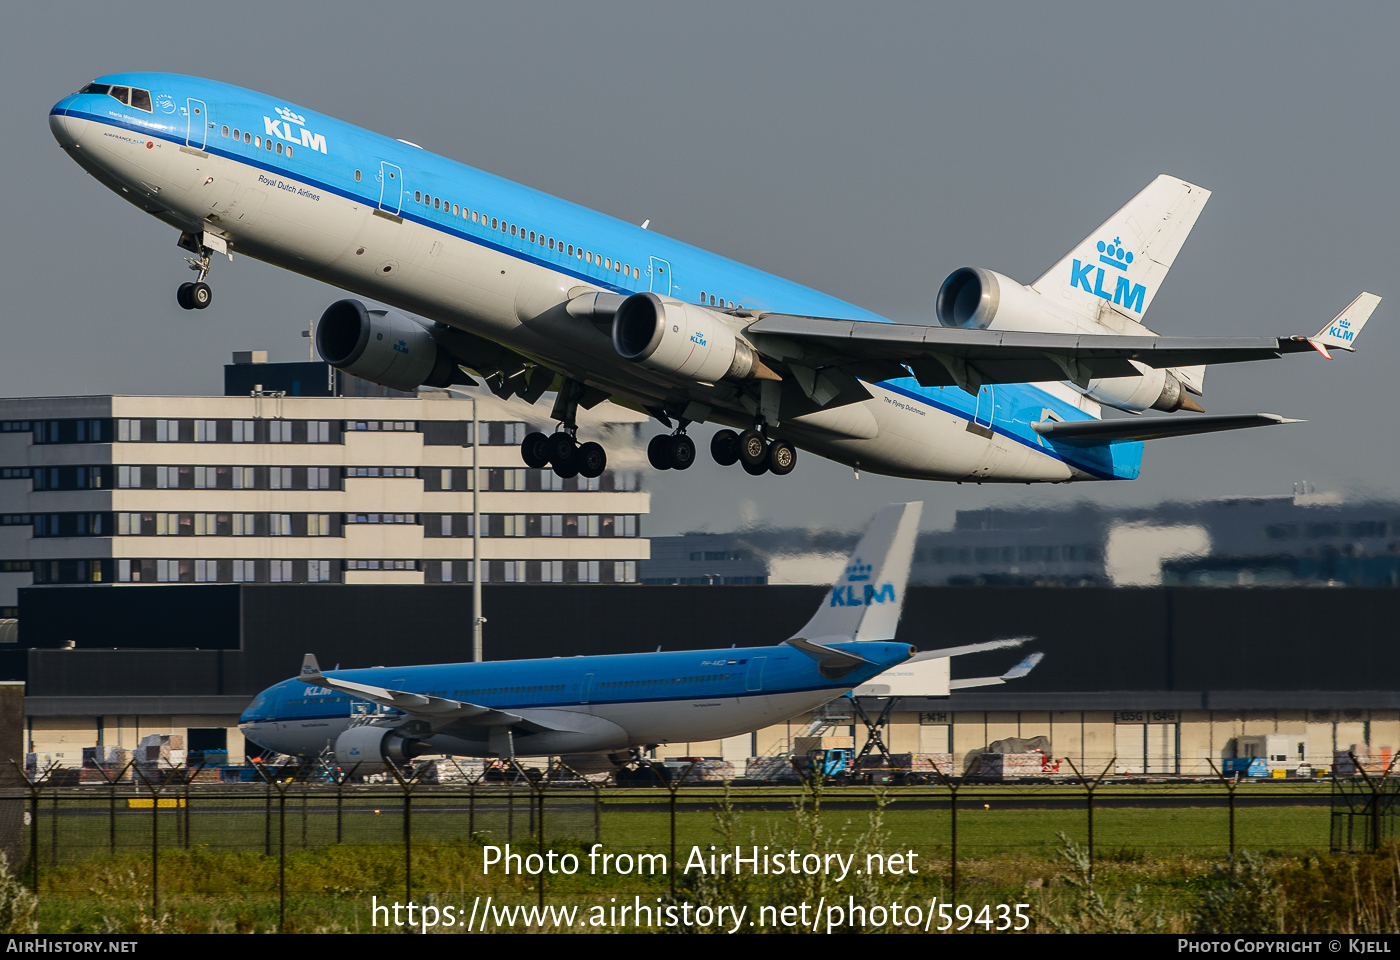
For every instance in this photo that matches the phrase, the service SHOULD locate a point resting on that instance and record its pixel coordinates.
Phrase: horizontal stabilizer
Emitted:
(1150, 428)
(969, 648)
(1015, 673)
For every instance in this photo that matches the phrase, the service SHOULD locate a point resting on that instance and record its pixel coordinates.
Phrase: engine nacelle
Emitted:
(367, 749)
(1155, 389)
(383, 347)
(684, 340)
(976, 299)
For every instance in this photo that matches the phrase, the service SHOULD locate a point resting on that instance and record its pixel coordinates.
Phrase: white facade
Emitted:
(119, 489)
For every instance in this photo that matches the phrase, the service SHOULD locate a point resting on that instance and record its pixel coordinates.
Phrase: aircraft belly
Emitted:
(713, 718)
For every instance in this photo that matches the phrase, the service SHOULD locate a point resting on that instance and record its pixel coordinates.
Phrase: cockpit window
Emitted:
(131, 96)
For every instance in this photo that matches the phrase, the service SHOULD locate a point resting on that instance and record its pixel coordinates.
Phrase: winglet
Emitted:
(1342, 332)
(309, 666)
(1024, 667)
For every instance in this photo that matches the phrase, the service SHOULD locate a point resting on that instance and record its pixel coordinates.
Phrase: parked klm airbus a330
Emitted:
(532, 294)
(610, 704)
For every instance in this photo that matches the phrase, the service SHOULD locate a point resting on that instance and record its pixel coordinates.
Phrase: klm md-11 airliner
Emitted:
(1005, 383)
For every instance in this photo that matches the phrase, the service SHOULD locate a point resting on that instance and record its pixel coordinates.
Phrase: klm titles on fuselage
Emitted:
(1125, 293)
(282, 129)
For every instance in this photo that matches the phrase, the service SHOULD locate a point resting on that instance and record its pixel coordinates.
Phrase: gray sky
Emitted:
(867, 150)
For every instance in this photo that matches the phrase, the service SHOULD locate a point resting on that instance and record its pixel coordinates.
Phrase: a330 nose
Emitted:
(65, 129)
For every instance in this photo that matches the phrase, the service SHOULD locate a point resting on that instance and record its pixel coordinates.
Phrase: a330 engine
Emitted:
(976, 299)
(368, 748)
(683, 340)
(383, 347)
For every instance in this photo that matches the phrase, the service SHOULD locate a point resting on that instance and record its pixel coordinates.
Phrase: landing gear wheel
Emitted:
(753, 449)
(754, 470)
(560, 448)
(200, 295)
(567, 468)
(534, 452)
(659, 452)
(782, 457)
(724, 447)
(592, 460)
(681, 450)
(182, 296)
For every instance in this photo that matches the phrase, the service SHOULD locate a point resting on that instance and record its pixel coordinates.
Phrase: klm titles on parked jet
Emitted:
(532, 293)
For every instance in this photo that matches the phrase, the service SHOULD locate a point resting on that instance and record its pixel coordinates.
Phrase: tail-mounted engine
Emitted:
(383, 347)
(683, 340)
(976, 299)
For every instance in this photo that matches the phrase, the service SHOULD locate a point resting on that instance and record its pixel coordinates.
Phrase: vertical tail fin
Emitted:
(866, 601)
(1116, 271)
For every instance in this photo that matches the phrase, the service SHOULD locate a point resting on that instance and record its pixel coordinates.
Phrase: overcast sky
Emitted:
(867, 150)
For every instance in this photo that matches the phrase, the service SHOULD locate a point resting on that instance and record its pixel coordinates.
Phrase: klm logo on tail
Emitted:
(1342, 330)
(846, 594)
(1113, 257)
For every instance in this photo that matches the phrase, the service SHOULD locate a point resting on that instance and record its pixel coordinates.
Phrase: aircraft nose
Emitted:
(64, 128)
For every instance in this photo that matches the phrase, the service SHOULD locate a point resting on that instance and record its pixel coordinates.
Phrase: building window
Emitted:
(318, 571)
(168, 571)
(280, 478)
(447, 525)
(279, 571)
(552, 525)
(318, 524)
(129, 430)
(279, 525)
(243, 431)
(552, 571)
(513, 525)
(206, 431)
(206, 571)
(243, 478)
(446, 574)
(318, 431)
(206, 524)
(244, 525)
(588, 571)
(167, 431)
(279, 431)
(625, 571)
(206, 478)
(318, 478)
(514, 479)
(244, 571)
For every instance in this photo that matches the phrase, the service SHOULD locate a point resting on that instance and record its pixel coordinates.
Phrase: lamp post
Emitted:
(477, 618)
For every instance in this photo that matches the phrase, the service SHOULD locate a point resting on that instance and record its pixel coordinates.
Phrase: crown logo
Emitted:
(1114, 255)
(858, 571)
(291, 117)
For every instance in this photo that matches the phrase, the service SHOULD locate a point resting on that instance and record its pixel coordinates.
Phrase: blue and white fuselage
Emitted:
(401, 225)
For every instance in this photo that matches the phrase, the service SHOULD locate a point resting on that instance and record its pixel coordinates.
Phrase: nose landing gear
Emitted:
(196, 295)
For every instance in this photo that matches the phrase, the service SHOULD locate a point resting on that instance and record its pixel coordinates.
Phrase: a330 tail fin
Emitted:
(1115, 271)
(866, 601)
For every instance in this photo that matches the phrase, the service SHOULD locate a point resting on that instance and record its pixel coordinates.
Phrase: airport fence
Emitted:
(949, 828)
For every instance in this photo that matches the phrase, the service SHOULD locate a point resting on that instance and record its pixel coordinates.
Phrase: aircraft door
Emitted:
(986, 408)
(660, 277)
(197, 124)
(390, 188)
(754, 680)
(584, 695)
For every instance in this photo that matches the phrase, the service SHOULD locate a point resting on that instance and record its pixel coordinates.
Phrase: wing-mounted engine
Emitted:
(369, 748)
(384, 347)
(1154, 390)
(684, 340)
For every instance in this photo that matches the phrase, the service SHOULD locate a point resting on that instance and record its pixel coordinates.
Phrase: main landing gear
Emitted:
(561, 449)
(196, 295)
(673, 452)
(751, 450)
